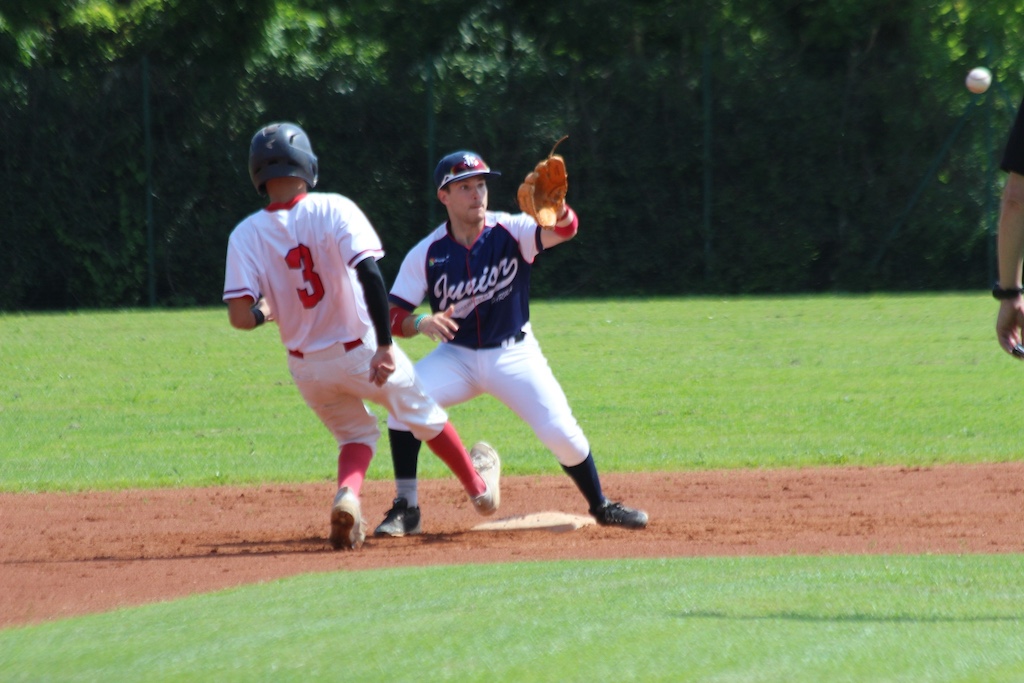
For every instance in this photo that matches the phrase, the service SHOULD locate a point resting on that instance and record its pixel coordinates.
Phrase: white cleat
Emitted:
(346, 521)
(488, 465)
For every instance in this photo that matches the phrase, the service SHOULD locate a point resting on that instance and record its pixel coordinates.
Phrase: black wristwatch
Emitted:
(1004, 294)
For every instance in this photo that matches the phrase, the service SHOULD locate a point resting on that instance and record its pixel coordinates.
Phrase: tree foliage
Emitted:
(727, 147)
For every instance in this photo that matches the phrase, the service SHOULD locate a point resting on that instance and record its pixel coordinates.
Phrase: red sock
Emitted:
(449, 448)
(353, 461)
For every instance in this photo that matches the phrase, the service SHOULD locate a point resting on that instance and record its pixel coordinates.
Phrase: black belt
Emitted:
(520, 336)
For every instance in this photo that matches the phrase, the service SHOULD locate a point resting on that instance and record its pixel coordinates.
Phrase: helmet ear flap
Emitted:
(314, 172)
(281, 150)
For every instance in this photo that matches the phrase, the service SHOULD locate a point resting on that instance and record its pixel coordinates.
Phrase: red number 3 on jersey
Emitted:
(299, 258)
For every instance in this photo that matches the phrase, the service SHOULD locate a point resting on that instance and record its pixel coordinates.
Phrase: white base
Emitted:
(557, 522)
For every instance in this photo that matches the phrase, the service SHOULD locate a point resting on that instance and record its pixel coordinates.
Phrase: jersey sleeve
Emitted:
(357, 240)
(241, 274)
(410, 286)
(526, 232)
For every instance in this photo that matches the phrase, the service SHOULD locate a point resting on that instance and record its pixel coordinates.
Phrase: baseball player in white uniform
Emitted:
(474, 270)
(309, 262)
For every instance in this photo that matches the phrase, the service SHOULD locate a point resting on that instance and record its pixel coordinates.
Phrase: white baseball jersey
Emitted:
(296, 255)
(300, 256)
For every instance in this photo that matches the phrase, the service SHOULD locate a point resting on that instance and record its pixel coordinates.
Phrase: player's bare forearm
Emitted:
(243, 314)
(1011, 232)
(1010, 240)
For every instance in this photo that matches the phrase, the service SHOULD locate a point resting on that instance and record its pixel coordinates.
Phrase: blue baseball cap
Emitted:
(459, 165)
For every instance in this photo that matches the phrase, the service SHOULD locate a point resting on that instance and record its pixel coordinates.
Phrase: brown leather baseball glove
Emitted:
(542, 192)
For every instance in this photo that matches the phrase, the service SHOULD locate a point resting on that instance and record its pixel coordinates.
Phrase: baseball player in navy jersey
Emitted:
(474, 271)
(309, 262)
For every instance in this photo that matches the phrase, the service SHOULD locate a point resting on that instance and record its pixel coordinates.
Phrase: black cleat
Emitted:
(401, 520)
(617, 514)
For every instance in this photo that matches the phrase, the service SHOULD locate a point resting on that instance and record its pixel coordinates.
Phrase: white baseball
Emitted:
(979, 79)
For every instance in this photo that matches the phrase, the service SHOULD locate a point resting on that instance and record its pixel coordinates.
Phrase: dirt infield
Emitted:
(70, 554)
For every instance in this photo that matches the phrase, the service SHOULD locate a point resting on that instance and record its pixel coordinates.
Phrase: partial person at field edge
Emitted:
(1010, 243)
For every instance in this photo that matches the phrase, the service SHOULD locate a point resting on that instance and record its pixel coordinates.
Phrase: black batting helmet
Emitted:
(281, 150)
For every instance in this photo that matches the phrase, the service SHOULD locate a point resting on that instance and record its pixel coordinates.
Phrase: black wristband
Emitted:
(258, 314)
(1005, 294)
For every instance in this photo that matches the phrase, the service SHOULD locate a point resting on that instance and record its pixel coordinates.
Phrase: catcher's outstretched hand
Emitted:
(542, 192)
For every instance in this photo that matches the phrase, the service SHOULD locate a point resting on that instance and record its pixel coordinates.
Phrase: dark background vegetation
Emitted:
(745, 146)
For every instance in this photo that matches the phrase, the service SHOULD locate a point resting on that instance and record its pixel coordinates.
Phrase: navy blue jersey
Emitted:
(488, 282)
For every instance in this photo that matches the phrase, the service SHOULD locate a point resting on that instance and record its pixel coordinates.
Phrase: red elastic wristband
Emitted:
(567, 231)
(398, 316)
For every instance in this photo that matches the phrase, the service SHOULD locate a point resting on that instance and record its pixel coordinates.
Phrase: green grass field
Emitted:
(717, 619)
(128, 399)
(177, 398)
